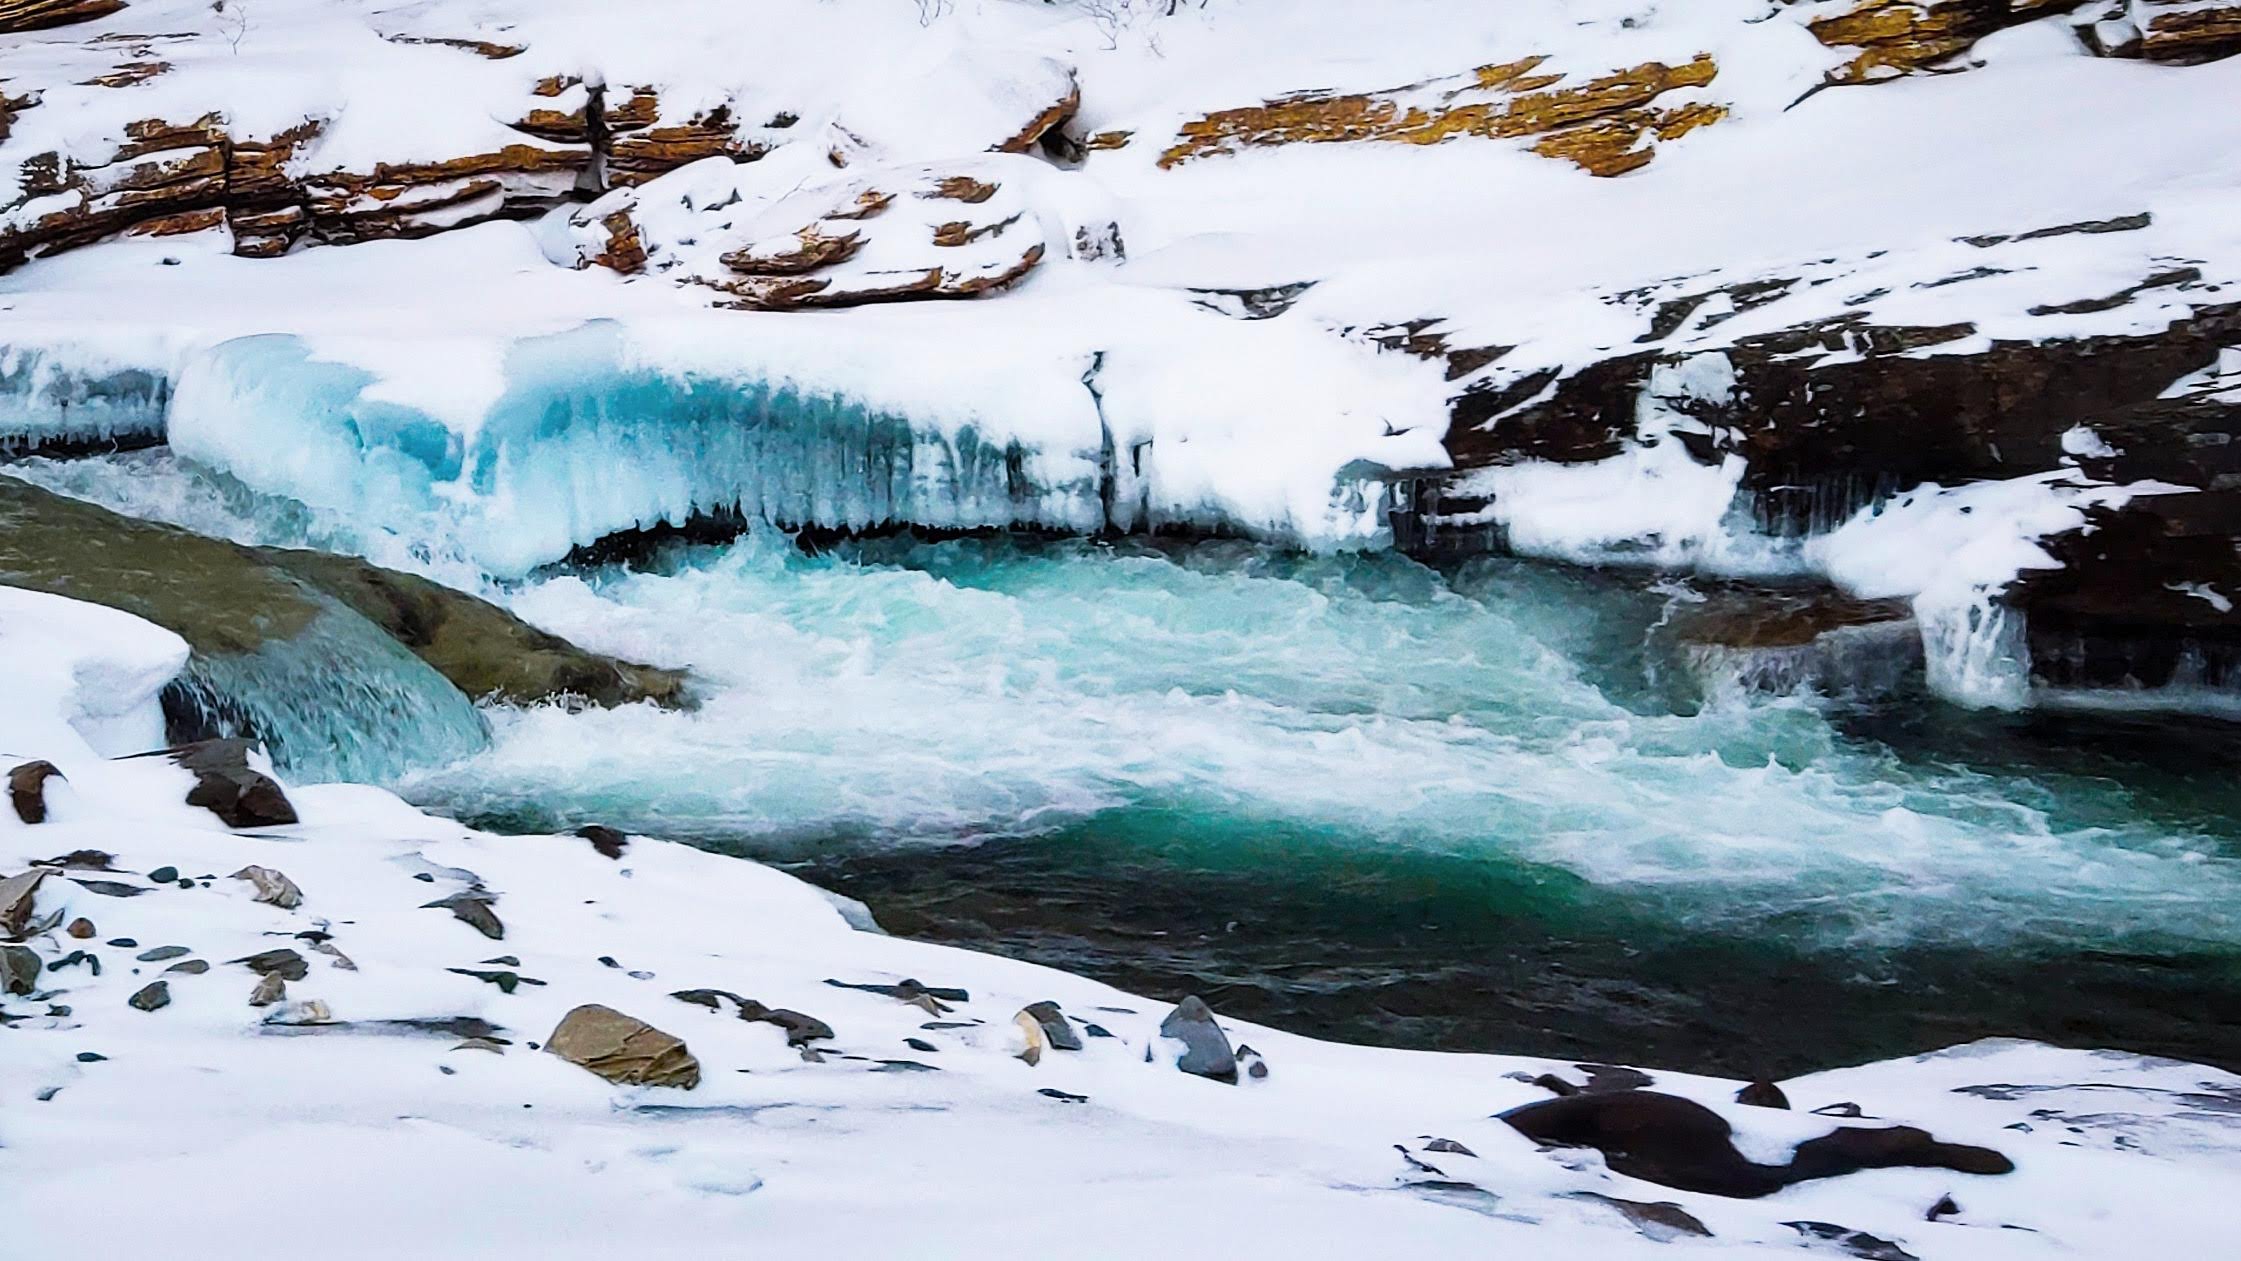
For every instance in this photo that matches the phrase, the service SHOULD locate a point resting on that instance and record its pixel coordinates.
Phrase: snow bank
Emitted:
(83, 680)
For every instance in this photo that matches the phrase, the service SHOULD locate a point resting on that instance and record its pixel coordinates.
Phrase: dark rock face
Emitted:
(1677, 1143)
(1762, 1094)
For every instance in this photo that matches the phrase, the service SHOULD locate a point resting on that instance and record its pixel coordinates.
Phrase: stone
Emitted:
(1206, 1049)
(341, 960)
(1659, 1220)
(77, 958)
(270, 989)
(110, 888)
(18, 897)
(1762, 1094)
(91, 1057)
(27, 789)
(151, 996)
(606, 840)
(229, 601)
(283, 963)
(2187, 31)
(227, 786)
(623, 1049)
(81, 928)
(1608, 124)
(800, 1029)
(163, 875)
(1895, 37)
(1033, 1041)
(507, 982)
(33, 15)
(1856, 1243)
(19, 970)
(472, 908)
(271, 886)
(1682, 1144)
(160, 953)
(191, 967)
(1056, 1030)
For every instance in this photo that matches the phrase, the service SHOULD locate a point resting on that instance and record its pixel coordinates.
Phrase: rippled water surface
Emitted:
(1356, 795)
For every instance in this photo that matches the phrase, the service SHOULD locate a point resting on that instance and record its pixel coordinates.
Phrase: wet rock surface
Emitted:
(232, 603)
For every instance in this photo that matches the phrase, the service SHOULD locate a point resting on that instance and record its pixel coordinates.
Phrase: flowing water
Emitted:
(1355, 796)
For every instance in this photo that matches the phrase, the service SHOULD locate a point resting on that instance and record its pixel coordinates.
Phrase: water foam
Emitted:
(935, 693)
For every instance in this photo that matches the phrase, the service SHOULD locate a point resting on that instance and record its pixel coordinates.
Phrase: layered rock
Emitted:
(958, 230)
(2187, 31)
(416, 198)
(1609, 124)
(1893, 37)
(35, 15)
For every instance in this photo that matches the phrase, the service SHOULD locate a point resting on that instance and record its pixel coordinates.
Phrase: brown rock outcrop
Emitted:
(1897, 36)
(1607, 124)
(36, 15)
(417, 198)
(2188, 31)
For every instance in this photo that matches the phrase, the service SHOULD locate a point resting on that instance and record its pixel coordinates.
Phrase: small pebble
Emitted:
(123, 943)
(424, 876)
(91, 1057)
(153, 995)
(446, 1069)
(80, 928)
(161, 953)
(163, 875)
(192, 967)
(920, 1044)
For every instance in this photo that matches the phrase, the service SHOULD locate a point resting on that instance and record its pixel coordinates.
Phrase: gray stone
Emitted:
(1060, 1034)
(272, 886)
(151, 996)
(472, 908)
(1206, 1049)
(19, 970)
(161, 953)
(283, 963)
(189, 967)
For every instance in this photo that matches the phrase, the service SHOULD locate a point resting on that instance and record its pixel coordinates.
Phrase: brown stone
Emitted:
(1605, 124)
(624, 1050)
(272, 886)
(27, 789)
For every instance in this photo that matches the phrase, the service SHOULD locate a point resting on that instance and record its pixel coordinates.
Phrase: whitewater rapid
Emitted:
(898, 693)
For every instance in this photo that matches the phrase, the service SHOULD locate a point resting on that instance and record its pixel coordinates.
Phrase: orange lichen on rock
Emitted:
(1897, 36)
(1605, 124)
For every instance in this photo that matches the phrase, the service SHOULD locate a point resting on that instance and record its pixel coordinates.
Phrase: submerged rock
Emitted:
(317, 656)
(1206, 1049)
(623, 1049)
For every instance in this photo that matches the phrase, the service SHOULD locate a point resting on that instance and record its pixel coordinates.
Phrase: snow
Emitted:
(83, 679)
(204, 1114)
